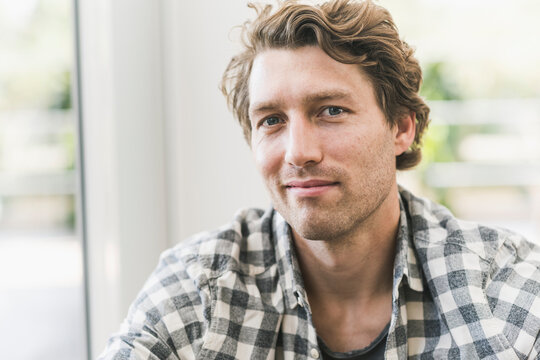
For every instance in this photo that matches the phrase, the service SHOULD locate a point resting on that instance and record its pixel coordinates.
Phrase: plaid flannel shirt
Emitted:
(461, 291)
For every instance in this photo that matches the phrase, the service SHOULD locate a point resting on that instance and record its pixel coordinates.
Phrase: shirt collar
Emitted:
(406, 262)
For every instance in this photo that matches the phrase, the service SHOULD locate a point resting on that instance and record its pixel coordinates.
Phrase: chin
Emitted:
(323, 228)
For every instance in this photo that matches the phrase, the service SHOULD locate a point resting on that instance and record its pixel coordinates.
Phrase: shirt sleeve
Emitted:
(168, 318)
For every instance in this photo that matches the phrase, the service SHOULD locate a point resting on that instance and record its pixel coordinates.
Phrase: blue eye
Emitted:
(334, 110)
(272, 120)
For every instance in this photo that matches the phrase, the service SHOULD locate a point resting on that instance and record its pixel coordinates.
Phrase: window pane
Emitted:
(41, 268)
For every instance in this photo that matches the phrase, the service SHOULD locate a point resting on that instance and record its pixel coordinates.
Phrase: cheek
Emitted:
(348, 147)
(363, 149)
(267, 160)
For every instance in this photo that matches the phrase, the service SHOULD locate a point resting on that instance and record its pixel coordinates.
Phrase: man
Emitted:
(345, 265)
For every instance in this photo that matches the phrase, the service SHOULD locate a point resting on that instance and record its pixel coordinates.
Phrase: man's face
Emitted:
(320, 141)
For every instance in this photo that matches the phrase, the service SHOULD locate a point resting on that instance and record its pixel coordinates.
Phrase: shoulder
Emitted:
(446, 244)
(437, 232)
(242, 245)
(491, 275)
(173, 309)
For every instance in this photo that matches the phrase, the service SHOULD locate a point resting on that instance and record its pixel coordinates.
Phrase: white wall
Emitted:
(211, 172)
(163, 157)
(123, 154)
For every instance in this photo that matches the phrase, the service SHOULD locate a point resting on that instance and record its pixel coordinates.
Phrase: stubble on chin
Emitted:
(316, 223)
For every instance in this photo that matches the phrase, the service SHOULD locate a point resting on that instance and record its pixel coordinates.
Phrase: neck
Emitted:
(356, 269)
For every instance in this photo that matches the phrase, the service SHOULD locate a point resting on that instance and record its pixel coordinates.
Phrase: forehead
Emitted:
(285, 75)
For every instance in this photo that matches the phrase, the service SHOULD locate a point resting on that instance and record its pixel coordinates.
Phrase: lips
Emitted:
(309, 183)
(310, 188)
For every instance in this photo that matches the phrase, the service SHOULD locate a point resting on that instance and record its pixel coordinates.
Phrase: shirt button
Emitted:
(299, 299)
(314, 353)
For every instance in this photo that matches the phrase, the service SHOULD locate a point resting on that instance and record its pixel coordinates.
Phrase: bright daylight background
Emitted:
(164, 159)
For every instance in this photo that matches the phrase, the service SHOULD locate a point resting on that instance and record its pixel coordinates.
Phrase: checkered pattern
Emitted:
(461, 291)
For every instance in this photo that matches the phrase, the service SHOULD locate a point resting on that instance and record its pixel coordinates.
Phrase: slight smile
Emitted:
(309, 188)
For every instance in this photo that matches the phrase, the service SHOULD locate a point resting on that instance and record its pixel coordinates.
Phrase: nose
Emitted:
(303, 143)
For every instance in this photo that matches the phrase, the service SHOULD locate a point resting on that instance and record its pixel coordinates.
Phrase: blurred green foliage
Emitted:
(438, 83)
(60, 96)
(441, 141)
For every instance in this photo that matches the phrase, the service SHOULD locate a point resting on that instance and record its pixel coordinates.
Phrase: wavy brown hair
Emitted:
(350, 32)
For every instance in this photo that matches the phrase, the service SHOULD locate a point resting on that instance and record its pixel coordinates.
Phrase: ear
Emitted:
(405, 130)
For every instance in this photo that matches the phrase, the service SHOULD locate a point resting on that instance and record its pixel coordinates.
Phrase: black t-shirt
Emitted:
(374, 351)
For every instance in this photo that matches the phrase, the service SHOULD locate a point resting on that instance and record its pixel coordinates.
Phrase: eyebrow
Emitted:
(309, 99)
